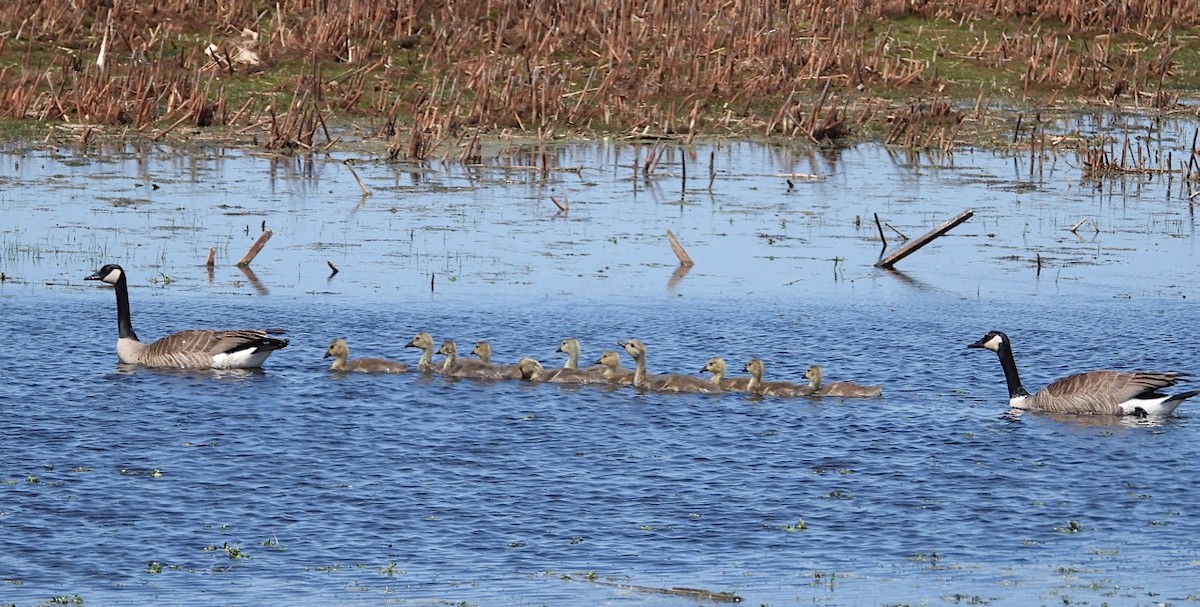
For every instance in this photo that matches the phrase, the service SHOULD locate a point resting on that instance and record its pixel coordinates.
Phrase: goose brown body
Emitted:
(189, 349)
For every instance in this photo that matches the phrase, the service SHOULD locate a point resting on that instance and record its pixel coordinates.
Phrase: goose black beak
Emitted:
(94, 276)
(978, 344)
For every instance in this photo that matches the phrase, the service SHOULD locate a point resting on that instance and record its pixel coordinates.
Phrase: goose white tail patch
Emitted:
(1149, 406)
(251, 358)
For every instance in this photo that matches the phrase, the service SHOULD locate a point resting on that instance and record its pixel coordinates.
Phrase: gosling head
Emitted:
(716, 366)
(422, 340)
(569, 345)
(814, 374)
(449, 348)
(530, 369)
(484, 351)
(337, 349)
(634, 348)
(755, 367)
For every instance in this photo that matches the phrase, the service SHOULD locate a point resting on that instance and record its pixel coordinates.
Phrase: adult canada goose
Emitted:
(668, 382)
(716, 366)
(613, 373)
(340, 352)
(191, 349)
(1095, 392)
(816, 375)
(476, 369)
(423, 342)
(772, 388)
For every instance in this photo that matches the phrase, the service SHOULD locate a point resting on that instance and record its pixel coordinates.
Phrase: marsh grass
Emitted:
(422, 78)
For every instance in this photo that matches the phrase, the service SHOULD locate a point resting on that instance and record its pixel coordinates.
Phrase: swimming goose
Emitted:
(191, 349)
(716, 366)
(667, 382)
(340, 352)
(423, 342)
(815, 376)
(1095, 392)
(772, 388)
(476, 369)
(613, 373)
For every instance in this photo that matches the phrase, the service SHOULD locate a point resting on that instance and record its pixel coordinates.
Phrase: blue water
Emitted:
(293, 486)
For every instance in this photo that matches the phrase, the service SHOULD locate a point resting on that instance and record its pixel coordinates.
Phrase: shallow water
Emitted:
(294, 486)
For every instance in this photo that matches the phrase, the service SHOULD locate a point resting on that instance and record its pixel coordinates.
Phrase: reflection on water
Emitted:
(133, 486)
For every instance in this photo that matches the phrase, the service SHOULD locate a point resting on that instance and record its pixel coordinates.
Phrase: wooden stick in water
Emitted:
(212, 255)
(913, 246)
(255, 248)
(362, 185)
(684, 259)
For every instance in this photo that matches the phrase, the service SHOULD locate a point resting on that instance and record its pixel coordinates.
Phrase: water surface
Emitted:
(293, 486)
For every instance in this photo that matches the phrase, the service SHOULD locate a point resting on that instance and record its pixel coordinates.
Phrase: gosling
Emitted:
(613, 373)
(775, 388)
(343, 363)
(474, 369)
(838, 388)
(667, 382)
(716, 366)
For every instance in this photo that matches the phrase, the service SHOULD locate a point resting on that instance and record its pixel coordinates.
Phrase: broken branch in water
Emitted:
(331, 267)
(211, 261)
(362, 185)
(684, 259)
(913, 246)
(882, 238)
(564, 206)
(255, 248)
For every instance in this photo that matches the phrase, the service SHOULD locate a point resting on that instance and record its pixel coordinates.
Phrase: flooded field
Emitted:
(294, 486)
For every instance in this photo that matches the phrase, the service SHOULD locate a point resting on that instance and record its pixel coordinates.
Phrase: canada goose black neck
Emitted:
(115, 275)
(997, 342)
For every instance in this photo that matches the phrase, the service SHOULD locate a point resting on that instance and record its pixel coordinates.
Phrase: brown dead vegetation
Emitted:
(419, 75)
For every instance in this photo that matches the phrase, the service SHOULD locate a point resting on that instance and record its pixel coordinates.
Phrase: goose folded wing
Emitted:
(1102, 391)
(198, 341)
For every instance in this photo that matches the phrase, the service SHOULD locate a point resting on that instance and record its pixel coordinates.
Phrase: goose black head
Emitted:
(110, 273)
(992, 341)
